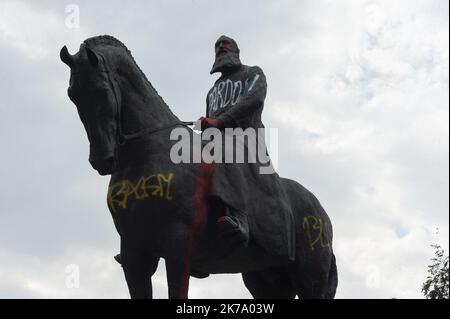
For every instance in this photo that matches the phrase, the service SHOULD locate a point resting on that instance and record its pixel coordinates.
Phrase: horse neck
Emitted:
(142, 109)
(141, 106)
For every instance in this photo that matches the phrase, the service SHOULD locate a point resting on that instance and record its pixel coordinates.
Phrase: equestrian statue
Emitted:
(201, 216)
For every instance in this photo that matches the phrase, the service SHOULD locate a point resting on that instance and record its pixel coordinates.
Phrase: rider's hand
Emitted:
(209, 122)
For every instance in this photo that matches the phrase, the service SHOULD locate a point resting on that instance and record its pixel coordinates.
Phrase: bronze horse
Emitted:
(162, 209)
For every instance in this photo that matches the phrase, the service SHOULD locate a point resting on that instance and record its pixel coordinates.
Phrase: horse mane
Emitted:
(112, 41)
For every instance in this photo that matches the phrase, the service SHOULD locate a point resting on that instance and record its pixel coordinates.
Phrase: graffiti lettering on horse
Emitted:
(315, 230)
(156, 185)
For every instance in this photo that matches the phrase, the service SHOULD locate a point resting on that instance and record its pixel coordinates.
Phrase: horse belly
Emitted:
(215, 257)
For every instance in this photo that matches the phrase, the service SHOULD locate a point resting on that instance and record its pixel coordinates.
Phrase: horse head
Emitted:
(115, 100)
(92, 91)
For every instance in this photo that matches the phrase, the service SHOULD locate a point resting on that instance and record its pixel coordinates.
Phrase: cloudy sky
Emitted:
(358, 90)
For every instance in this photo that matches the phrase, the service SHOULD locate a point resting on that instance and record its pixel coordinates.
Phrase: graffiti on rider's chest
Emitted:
(317, 231)
(156, 185)
(227, 93)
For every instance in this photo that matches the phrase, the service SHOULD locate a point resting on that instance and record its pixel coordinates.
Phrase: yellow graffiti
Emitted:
(315, 229)
(156, 185)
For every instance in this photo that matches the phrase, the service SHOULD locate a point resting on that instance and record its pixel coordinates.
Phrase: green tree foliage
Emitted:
(436, 285)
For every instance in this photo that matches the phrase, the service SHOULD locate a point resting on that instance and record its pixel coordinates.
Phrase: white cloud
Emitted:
(379, 109)
(34, 33)
(35, 277)
(99, 277)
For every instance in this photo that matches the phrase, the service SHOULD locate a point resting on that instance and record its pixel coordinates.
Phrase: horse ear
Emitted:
(66, 57)
(92, 56)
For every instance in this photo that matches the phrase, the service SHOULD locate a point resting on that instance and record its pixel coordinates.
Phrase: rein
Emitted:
(123, 138)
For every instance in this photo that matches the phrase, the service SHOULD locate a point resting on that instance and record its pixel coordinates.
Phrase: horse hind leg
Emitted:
(315, 282)
(332, 279)
(269, 284)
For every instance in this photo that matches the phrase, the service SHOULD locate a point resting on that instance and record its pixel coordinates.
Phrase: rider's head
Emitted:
(227, 55)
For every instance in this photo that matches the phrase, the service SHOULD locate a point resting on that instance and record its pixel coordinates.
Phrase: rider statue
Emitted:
(236, 101)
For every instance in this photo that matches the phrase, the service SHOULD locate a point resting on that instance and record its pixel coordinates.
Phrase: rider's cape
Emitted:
(237, 100)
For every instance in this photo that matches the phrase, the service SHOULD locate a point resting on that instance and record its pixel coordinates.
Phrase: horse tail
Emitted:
(332, 279)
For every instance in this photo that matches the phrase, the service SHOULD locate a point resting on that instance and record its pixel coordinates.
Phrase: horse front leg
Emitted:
(138, 269)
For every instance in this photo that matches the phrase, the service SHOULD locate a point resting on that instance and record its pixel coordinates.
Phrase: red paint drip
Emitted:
(205, 173)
